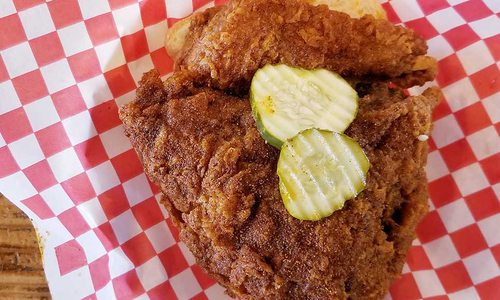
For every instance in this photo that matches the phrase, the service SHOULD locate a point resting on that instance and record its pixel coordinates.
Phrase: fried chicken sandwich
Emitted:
(256, 184)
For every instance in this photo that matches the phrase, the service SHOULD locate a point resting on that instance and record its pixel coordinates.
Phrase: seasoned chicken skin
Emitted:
(225, 46)
(219, 179)
(198, 141)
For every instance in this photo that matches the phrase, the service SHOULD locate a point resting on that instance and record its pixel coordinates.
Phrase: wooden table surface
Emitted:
(21, 271)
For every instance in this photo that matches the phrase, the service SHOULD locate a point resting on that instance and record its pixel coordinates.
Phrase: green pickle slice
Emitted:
(286, 100)
(319, 171)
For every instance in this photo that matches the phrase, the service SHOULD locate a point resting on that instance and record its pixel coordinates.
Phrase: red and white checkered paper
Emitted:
(67, 65)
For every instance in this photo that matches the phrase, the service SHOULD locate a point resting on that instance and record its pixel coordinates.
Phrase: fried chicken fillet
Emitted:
(198, 141)
(226, 45)
(219, 179)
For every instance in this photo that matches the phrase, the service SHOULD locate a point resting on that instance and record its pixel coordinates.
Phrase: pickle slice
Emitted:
(286, 100)
(319, 171)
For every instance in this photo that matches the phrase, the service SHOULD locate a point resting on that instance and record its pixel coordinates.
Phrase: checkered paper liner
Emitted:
(67, 65)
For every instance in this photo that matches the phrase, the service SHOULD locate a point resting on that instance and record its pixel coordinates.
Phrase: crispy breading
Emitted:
(176, 34)
(225, 46)
(219, 179)
(197, 140)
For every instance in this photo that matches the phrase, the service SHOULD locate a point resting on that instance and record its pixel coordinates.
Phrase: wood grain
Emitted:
(21, 270)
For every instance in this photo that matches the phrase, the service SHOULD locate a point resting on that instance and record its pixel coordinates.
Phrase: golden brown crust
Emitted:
(176, 34)
(227, 45)
(218, 175)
